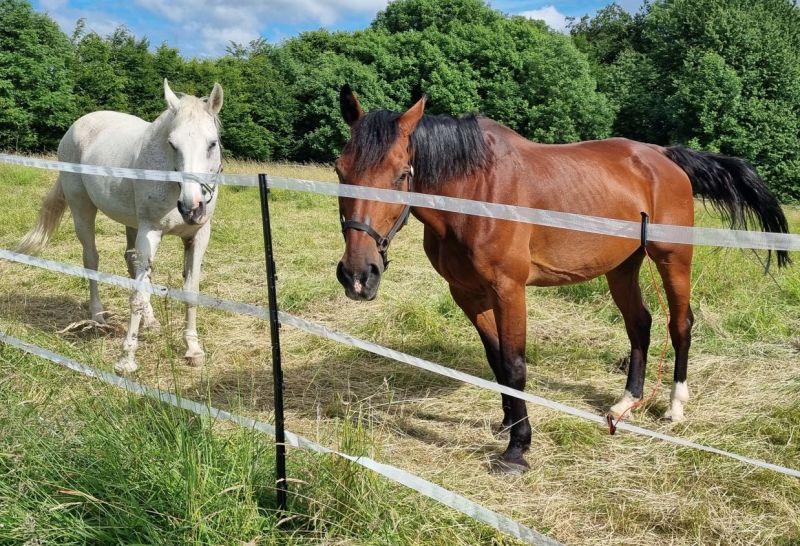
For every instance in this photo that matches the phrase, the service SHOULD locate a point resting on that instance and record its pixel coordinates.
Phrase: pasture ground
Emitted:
(83, 463)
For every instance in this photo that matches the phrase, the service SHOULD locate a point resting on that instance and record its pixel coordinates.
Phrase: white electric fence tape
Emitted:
(345, 339)
(563, 220)
(125, 172)
(422, 486)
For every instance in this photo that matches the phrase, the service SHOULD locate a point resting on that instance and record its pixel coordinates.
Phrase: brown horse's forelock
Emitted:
(443, 148)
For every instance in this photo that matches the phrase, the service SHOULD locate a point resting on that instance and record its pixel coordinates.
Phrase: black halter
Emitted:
(383, 242)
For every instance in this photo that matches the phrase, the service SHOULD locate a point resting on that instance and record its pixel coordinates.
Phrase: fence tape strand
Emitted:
(346, 339)
(628, 229)
(420, 485)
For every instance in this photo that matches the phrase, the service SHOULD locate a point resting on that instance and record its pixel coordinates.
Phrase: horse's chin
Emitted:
(360, 296)
(191, 221)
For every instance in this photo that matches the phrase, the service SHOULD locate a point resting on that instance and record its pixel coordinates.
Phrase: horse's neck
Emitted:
(152, 153)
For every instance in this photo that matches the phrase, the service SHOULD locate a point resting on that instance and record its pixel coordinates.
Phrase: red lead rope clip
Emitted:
(612, 428)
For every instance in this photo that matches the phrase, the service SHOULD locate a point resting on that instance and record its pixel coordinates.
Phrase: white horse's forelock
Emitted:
(191, 108)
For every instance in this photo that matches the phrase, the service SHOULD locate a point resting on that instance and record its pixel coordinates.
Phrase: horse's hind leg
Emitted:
(148, 316)
(624, 285)
(84, 214)
(675, 266)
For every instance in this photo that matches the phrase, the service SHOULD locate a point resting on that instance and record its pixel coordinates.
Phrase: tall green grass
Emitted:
(84, 463)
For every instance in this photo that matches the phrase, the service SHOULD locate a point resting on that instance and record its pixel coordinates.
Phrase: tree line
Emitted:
(720, 75)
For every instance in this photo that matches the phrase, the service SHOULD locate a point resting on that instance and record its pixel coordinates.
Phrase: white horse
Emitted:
(183, 138)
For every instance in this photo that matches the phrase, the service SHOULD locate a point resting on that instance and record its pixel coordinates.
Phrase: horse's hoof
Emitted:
(516, 467)
(99, 317)
(126, 364)
(195, 360)
(623, 407)
(674, 415)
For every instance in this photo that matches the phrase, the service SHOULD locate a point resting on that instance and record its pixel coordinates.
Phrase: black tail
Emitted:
(735, 191)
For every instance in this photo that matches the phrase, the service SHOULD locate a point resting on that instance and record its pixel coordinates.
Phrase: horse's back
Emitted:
(612, 178)
(106, 135)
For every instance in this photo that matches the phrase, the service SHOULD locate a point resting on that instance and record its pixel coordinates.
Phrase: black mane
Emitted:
(442, 147)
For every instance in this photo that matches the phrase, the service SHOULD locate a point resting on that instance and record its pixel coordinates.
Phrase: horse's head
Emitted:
(192, 143)
(378, 155)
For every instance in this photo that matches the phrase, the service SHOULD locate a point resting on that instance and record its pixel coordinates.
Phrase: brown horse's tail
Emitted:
(735, 191)
(49, 217)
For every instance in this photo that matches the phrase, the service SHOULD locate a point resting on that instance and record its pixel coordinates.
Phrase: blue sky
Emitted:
(204, 27)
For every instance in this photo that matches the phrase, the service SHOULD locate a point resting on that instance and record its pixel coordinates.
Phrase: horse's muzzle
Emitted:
(193, 216)
(360, 286)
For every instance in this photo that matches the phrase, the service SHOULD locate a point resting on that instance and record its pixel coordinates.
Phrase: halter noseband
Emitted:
(383, 242)
(210, 187)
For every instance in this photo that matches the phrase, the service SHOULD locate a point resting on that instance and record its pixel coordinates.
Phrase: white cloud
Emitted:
(67, 17)
(217, 23)
(206, 27)
(550, 15)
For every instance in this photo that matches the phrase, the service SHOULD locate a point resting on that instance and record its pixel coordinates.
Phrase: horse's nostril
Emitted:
(374, 270)
(342, 274)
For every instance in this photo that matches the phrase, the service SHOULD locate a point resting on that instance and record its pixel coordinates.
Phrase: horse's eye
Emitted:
(171, 145)
(212, 145)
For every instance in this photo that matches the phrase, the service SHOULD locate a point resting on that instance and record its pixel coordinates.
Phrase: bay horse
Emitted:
(488, 263)
(185, 137)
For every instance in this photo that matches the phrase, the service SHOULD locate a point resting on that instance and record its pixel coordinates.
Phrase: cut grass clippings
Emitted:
(584, 486)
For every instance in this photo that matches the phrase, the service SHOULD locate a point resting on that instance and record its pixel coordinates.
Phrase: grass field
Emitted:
(81, 463)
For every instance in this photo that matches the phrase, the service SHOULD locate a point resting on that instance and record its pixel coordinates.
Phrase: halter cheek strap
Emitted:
(210, 187)
(383, 241)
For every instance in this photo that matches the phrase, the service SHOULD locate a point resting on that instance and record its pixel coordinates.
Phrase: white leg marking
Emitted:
(195, 356)
(618, 409)
(680, 395)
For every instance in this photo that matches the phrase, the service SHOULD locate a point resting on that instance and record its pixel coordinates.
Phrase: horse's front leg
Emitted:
(149, 319)
(511, 317)
(479, 308)
(193, 252)
(147, 242)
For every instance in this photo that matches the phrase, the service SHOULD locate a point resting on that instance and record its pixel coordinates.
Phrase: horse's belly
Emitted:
(560, 257)
(113, 197)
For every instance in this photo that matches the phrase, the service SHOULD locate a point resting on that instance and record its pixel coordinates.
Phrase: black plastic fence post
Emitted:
(277, 373)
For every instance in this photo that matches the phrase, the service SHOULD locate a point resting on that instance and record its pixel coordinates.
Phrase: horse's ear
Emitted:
(348, 102)
(215, 99)
(171, 98)
(409, 120)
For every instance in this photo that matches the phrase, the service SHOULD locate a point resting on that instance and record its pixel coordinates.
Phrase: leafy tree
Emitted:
(512, 69)
(717, 74)
(97, 85)
(36, 100)
(418, 15)
(606, 35)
